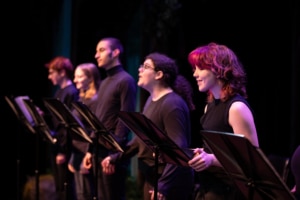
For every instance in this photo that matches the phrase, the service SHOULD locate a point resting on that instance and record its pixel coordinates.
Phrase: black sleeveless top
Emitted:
(216, 119)
(216, 116)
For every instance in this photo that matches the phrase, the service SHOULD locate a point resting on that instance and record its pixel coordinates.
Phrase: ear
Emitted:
(116, 52)
(62, 72)
(159, 75)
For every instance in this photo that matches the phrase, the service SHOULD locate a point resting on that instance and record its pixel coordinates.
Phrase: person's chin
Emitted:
(139, 84)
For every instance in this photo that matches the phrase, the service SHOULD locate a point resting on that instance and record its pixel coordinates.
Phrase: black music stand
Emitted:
(41, 127)
(108, 140)
(247, 165)
(22, 114)
(72, 125)
(103, 136)
(27, 113)
(67, 119)
(40, 124)
(156, 140)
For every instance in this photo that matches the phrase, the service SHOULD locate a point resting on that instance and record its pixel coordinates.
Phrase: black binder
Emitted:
(247, 165)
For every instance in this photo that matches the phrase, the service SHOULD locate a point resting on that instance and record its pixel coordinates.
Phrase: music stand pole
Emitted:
(71, 124)
(156, 151)
(37, 173)
(18, 166)
(25, 123)
(156, 140)
(40, 127)
(247, 165)
(107, 139)
(96, 165)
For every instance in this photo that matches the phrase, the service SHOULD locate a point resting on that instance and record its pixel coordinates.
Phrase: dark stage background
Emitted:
(264, 36)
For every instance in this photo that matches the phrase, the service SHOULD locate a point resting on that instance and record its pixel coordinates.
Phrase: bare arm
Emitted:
(242, 122)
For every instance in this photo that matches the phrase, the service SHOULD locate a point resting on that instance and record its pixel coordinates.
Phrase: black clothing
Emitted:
(171, 114)
(295, 168)
(84, 183)
(117, 92)
(62, 176)
(214, 181)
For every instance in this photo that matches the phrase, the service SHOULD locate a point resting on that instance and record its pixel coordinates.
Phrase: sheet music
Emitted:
(20, 102)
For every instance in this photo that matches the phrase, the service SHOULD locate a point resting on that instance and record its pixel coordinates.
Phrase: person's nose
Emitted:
(195, 74)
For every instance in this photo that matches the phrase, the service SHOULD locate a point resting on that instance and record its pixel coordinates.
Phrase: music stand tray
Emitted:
(247, 165)
(67, 119)
(27, 113)
(39, 122)
(154, 138)
(103, 136)
(157, 141)
(107, 139)
(18, 107)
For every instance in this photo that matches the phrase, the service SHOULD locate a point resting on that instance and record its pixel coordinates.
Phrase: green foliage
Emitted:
(132, 190)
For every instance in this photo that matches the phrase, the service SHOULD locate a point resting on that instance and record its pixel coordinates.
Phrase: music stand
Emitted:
(156, 140)
(28, 115)
(21, 112)
(40, 124)
(109, 142)
(103, 136)
(70, 123)
(67, 119)
(247, 165)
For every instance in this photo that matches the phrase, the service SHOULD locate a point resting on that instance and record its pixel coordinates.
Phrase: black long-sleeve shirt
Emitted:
(171, 114)
(66, 95)
(117, 92)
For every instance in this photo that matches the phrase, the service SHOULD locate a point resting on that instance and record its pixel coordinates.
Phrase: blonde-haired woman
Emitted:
(87, 80)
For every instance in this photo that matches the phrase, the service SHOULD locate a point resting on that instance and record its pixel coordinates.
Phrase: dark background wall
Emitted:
(265, 37)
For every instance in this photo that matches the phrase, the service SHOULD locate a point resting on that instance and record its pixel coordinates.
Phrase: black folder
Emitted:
(247, 165)
(154, 138)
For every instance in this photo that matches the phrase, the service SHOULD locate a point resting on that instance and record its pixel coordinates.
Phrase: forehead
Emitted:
(103, 45)
(148, 61)
(79, 71)
(51, 71)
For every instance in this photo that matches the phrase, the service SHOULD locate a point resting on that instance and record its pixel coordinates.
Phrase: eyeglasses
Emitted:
(145, 66)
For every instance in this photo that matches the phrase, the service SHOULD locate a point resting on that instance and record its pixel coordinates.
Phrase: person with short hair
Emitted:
(169, 106)
(60, 73)
(117, 92)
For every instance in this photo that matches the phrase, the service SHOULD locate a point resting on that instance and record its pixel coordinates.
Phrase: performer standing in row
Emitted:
(169, 106)
(87, 80)
(117, 92)
(60, 73)
(218, 72)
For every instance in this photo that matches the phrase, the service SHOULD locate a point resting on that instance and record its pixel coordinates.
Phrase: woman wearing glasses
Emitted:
(171, 113)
